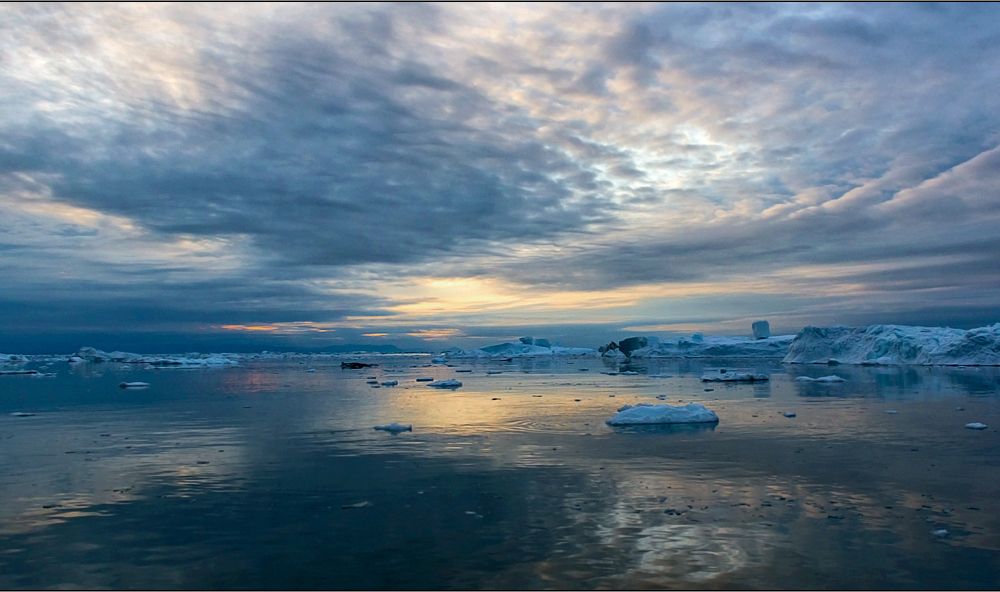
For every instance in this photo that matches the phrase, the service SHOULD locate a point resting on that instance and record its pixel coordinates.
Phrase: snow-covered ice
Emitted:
(644, 414)
(721, 376)
(896, 345)
(395, 427)
(96, 356)
(976, 426)
(830, 378)
(449, 383)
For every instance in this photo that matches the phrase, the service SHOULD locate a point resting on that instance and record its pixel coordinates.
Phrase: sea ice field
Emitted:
(270, 473)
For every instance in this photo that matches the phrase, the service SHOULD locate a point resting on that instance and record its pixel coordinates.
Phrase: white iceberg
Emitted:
(896, 345)
(645, 414)
(831, 378)
(395, 427)
(722, 376)
(976, 426)
(449, 383)
(717, 346)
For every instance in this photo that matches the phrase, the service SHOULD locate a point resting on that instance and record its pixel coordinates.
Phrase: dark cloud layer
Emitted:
(170, 168)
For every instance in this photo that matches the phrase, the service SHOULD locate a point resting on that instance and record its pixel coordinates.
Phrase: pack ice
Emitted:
(896, 345)
(645, 413)
(96, 356)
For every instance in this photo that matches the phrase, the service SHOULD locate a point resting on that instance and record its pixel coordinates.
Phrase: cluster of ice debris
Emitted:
(896, 345)
(525, 347)
(699, 346)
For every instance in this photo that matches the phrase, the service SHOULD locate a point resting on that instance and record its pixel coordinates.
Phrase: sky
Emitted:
(246, 177)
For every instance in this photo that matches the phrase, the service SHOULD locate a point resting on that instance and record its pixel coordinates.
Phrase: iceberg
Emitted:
(133, 385)
(524, 348)
(892, 345)
(976, 426)
(96, 356)
(449, 383)
(645, 414)
(723, 376)
(718, 346)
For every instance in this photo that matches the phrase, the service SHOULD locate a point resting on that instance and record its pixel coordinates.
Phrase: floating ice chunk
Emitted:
(892, 412)
(939, 533)
(611, 373)
(2, 372)
(425, 379)
(788, 414)
(355, 506)
(698, 338)
(831, 378)
(449, 383)
(464, 370)
(439, 360)
(22, 414)
(390, 383)
(629, 373)
(644, 413)
(494, 371)
(660, 375)
(311, 370)
(976, 426)
(722, 376)
(761, 329)
(395, 427)
(133, 385)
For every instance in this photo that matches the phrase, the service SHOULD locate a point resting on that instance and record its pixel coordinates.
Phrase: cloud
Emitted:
(266, 166)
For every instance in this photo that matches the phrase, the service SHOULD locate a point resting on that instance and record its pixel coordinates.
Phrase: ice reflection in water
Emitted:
(236, 478)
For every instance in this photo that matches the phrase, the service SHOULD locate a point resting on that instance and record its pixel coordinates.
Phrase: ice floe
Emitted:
(644, 414)
(2, 372)
(449, 383)
(724, 376)
(896, 345)
(133, 385)
(390, 383)
(976, 426)
(831, 378)
(395, 427)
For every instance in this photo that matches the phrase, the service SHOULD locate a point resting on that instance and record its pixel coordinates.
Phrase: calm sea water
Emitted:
(251, 477)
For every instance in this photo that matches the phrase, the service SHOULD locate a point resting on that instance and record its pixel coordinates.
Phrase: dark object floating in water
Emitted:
(355, 365)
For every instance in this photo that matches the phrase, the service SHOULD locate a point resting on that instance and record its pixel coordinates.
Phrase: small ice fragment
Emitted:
(788, 414)
(470, 513)
(939, 533)
(892, 412)
(21, 414)
(133, 385)
(959, 408)
(395, 427)
(976, 426)
(661, 397)
(463, 370)
(494, 371)
(660, 375)
(371, 382)
(611, 373)
(311, 370)
(629, 373)
(425, 379)
(357, 505)
(390, 383)
(449, 383)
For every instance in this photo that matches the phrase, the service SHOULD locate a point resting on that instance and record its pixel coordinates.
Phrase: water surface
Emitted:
(249, 477)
